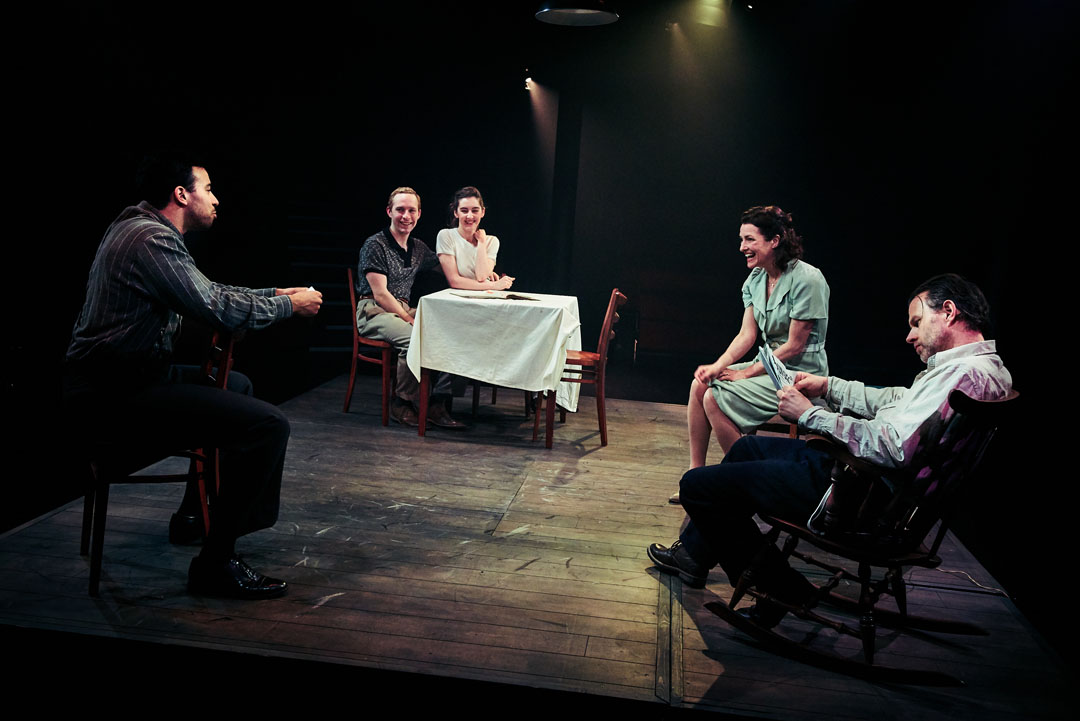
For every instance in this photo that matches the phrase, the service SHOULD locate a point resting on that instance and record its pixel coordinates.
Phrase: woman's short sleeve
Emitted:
(747, 297)
(809, 294)
(444, 243)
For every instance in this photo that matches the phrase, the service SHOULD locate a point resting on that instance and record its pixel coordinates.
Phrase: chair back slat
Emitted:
(219, 361)
(611, 317)
(899, 510)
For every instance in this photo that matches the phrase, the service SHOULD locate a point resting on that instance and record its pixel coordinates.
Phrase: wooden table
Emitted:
(492, 337)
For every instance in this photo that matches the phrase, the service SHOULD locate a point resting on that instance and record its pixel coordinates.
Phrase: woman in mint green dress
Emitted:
(786, 302)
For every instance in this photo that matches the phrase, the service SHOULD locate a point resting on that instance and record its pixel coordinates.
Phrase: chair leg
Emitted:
(476, 396)
(386, 372)
(899, 589)
(528, 400)
(601, 411)
(550, 419)
(536, 419)
(87, 520)
(425, 391)
(494, 394)
(97, 543)
(867, 627)
(208, 470)
(352, 383)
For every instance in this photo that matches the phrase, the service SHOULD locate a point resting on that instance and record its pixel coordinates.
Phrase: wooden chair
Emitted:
(587, 367)
(107, 469)
(776, 424)
(361, 345)
(879, 518)
(494, 397)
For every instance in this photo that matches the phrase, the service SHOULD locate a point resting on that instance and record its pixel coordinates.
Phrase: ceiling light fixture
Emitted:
(583, 13)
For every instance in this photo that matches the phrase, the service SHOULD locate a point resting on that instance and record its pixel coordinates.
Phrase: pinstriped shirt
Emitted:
(143, 280)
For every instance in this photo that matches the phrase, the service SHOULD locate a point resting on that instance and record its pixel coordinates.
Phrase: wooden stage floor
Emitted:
(476, 566)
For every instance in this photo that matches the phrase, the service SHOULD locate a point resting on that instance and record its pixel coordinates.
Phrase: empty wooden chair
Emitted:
(588, 367)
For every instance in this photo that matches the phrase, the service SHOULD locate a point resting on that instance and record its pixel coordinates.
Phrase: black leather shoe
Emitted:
(186, 530)
(676, 560)
(232, 578)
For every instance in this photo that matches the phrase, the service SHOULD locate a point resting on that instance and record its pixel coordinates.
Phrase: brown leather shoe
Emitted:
(404, 414)
(438, 416)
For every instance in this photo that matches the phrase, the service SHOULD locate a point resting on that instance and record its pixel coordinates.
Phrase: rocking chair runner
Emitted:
(880, 518)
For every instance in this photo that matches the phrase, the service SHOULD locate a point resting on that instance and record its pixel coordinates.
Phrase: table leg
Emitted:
(550, 418)
(425, 385)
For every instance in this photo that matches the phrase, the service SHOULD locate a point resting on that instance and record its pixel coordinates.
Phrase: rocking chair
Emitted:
(877, 518)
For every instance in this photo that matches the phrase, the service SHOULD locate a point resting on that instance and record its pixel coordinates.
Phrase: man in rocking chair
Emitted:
(948, 317)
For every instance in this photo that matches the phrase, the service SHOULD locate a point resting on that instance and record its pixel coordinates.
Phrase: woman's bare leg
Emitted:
(697, 424)
(725, 430)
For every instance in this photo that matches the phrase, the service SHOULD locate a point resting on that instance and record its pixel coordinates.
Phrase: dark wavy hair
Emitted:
(467, 192)
(969, 300)
(772, 222)
(161, 173)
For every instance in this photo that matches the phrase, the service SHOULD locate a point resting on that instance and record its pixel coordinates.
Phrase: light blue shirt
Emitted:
(895, 422)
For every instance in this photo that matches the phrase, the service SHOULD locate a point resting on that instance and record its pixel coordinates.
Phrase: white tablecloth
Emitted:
(511, 343)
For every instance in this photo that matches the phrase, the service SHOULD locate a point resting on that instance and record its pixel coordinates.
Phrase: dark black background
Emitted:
(907, 139)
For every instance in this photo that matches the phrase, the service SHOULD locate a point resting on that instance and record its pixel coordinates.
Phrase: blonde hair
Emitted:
(399, 191)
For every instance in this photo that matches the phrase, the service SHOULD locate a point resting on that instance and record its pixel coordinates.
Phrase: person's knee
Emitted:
(708, 479)
(240, 383)
(281, 423)
(712, 409)
(747, 448)
(697, 391)
(274, 424)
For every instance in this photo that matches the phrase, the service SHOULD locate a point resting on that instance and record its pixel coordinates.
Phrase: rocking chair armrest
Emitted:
(843, 455)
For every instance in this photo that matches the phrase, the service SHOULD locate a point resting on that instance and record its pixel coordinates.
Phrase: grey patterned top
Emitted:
(381, 254)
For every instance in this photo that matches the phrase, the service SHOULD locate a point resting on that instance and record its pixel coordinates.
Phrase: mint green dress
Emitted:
(800, 294)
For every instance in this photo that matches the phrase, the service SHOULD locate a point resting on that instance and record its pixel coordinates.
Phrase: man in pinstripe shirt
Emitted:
(117, 384)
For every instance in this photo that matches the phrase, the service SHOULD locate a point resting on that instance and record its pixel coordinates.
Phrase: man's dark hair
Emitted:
(969, 300)
(772, 222)
(161, 173)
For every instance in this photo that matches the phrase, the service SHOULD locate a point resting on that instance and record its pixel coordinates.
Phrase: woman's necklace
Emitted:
(771, 285)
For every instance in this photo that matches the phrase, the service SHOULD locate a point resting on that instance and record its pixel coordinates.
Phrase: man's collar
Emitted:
(982, 347)
(406, 252)
(147, 207)
(389, 235)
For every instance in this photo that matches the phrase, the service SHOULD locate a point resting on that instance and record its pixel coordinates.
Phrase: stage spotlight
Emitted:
(582, 13)
(711, 12)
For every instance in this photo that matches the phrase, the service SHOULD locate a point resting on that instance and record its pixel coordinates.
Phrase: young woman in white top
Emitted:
(466, 252)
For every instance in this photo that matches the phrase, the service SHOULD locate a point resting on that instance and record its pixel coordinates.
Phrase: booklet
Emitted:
(780, 375)
(491, 295)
